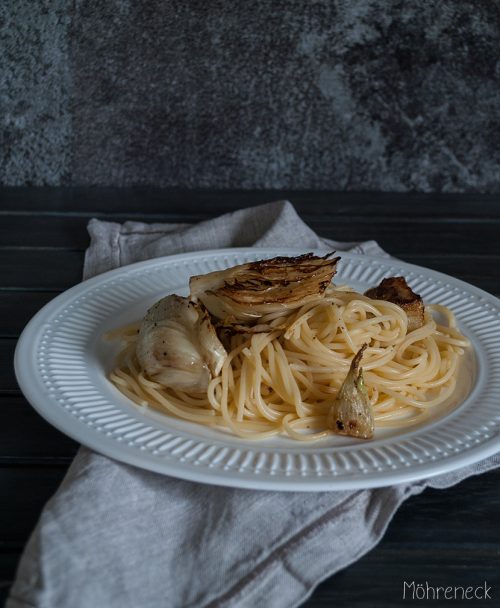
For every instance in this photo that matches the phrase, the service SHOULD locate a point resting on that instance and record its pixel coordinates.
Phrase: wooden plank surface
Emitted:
(16, 309)
(445, 537)
(194, 205)
(396, 234)
(26, 438)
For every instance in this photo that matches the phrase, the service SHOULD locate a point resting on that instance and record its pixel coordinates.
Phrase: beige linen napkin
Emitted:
(117, 536)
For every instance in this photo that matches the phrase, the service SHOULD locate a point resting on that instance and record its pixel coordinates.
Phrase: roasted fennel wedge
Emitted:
(352, 413)
(239, 296)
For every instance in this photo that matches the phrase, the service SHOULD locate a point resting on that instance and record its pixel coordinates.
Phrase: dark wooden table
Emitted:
(447, 537)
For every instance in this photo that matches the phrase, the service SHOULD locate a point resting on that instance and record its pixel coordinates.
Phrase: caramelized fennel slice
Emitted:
(397, 291)
(178, 346)
(352, 413)
(242, 294)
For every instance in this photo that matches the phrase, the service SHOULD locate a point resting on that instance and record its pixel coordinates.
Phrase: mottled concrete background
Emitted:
(325, 94)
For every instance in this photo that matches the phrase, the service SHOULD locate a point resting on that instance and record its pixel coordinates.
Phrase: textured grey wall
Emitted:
(326, 94)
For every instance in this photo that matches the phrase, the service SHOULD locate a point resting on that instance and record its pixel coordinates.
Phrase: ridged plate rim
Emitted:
(64, 384)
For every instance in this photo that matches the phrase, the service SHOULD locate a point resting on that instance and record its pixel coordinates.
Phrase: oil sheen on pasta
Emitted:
(284, 381)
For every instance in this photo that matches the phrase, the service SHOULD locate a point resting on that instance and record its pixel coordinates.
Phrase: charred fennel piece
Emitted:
(178, 346)
(237, 297)
(397, 291)
(352, 413)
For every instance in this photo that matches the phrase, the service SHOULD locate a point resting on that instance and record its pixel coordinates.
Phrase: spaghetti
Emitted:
(283, 381)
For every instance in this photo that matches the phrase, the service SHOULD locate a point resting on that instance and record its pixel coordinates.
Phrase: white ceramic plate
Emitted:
(61, 363)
